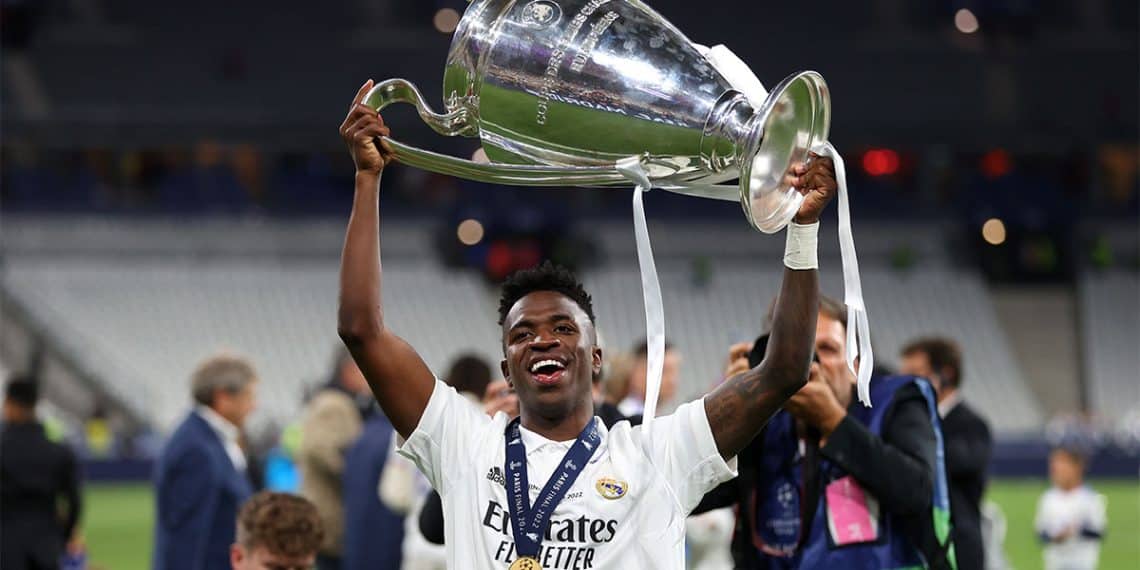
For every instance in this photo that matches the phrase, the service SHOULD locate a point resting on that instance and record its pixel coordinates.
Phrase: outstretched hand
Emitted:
(361, 131)
(816, 181)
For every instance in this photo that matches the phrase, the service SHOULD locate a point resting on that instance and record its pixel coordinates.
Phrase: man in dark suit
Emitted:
(35, 473)
(200, 477)
(967, 442)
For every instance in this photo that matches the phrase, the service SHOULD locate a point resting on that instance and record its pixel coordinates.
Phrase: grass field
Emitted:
(119, 519)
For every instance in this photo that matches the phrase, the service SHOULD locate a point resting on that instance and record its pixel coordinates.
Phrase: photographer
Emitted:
(831, 483)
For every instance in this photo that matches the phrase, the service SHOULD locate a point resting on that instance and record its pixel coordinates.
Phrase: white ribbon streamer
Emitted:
(858, 327)
(651, 292)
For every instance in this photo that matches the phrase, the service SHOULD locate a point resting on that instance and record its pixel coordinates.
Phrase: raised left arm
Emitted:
(739, 408)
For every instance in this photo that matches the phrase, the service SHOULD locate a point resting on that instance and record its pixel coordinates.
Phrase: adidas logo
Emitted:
(495, 474)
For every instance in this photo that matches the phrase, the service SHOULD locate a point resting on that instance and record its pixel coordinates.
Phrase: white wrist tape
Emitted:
(801, 248)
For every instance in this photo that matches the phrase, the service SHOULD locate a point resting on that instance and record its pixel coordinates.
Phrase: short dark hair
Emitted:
(23, 391)
(828, 307)
(833, 309)
(944, 355)
(545, 277)
(642, 348)
(1076, 453)
(470, 374)
(287, 525)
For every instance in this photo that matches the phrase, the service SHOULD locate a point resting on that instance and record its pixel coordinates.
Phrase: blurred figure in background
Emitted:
(966, 441)
(613, 388)
(373, 533)
(633, 406)
(332, 422)
(35, 474)
(200, 478)
(405, 490)
(832, 483)
(1071, 517)
(276, 531)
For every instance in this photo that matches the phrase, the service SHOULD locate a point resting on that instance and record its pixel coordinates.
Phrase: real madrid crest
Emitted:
(540, 13)
(611, 488)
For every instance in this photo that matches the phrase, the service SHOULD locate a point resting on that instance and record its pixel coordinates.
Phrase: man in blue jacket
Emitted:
(201, 477)
(830, 483)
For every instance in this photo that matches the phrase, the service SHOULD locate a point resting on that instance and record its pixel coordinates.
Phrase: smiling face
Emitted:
(551, 356)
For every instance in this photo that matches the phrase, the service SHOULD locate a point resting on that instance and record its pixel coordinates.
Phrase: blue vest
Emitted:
(893, 550)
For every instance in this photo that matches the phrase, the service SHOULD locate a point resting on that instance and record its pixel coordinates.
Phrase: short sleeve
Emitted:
(1097, 514)
(446, 434)
(684, 451)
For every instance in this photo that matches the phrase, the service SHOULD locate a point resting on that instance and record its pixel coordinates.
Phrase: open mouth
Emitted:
(547, 371)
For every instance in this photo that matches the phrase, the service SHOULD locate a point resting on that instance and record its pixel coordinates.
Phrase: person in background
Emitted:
(331, 423)
(276, 531)
(613, 388)
(200, 476)
(1071, 517)
(830, 483)
(966, 441)
(35, 475)
(373, 533)
(633, 406)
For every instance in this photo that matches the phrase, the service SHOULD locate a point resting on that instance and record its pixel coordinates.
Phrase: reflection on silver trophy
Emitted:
(558, 91)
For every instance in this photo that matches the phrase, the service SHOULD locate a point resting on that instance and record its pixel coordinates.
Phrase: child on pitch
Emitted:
(1070, 516)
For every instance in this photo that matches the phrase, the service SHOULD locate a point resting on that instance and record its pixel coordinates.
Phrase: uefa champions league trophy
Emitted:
(559, 91)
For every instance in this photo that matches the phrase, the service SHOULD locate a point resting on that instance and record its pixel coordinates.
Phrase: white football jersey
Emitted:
(627, 508)
(1080, 509)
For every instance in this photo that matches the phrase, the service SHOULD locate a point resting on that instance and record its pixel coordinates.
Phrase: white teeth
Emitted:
(548, 362)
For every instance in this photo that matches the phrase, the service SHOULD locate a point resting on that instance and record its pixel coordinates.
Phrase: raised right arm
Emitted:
(399, 378)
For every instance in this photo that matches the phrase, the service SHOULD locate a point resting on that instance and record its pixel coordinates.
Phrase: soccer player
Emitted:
(276, 531)
(1070, 516)
(554, 488)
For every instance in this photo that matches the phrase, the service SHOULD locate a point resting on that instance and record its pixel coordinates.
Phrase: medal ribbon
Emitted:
(527, 524)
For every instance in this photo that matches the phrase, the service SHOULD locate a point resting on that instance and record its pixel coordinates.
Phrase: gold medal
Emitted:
(525, 563)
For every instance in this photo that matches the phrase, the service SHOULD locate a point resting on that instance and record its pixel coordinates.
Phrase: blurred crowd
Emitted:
(366, 506)
(213, 177)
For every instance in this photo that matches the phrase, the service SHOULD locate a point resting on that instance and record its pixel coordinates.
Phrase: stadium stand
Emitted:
(1110, 327)
(141, 321)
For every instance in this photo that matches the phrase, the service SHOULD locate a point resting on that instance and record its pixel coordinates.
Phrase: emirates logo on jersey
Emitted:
(611, 488)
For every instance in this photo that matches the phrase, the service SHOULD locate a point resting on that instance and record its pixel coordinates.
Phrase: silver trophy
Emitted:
(559, 90)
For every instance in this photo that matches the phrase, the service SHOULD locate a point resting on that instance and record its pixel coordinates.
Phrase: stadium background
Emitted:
(173, 183)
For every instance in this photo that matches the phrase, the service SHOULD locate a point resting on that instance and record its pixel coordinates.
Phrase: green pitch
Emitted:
(119, 518)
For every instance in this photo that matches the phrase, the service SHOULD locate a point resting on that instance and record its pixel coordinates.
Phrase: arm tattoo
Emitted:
(739, 408)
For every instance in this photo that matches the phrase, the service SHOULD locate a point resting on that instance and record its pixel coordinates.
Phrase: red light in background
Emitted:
(881, 162)
(996, 163)
(500, 260)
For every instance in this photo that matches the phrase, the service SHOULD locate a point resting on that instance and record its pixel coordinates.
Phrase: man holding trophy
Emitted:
(597, 498)
(593, 93)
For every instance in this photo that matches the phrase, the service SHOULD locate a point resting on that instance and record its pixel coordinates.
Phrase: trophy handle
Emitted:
(458, 122)
(402, 91)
